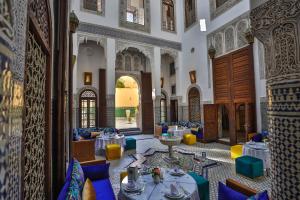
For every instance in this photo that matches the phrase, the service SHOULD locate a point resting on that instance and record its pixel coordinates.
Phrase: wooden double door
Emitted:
(241, 120)
(234, 90)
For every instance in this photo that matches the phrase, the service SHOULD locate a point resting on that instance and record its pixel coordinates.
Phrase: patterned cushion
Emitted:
(88, 192)
(77, 174)
(74, 192)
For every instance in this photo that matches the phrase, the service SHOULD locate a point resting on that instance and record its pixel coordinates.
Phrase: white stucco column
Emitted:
(156, 72)
(179, 74)
(110, 81)
(111, 61)
(156, 75)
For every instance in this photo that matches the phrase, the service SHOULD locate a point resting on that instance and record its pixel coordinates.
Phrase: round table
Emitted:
(102, 141)
(258, 150)
(179, 131)
(185, 184)
(170, 142)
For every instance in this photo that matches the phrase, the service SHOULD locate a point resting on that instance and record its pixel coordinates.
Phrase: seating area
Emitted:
(197, 164)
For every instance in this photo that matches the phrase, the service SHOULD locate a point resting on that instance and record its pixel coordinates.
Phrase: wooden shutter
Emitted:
(147, 103)
(102, 98)
(210, 122)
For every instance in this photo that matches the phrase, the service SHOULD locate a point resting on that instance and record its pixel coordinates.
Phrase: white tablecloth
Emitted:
(258, 150)
(102, 141)
(179, 131)
(157, 192)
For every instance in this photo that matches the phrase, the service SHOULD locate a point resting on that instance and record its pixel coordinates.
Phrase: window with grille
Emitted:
(94, 5)
(88, 109)
(168, 15)
(163, 108)
(194, 105)
(172, 69)
(190, 12)
(135, 12)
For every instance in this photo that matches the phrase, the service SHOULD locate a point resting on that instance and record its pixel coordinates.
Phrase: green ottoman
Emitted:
(130, 143)
(249, 166)
(203, 185)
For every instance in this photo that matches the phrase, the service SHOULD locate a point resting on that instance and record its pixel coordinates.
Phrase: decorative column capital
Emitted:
(212, 52)
(249, 36)
(74, 22)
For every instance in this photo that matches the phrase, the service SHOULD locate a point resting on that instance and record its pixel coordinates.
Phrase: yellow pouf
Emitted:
(236, 151)
(113, 151)
(189, 139)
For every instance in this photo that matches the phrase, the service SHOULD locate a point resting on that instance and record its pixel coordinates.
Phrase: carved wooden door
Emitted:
(210, 122)
(174, 110)
(194, 105)
(147, 103)
(37, 87)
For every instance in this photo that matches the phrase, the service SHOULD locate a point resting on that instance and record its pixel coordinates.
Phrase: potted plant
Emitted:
(156, 175)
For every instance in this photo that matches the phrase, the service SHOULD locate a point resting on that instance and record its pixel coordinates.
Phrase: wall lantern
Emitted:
(87, 78)
(193, 77)
(161, 82)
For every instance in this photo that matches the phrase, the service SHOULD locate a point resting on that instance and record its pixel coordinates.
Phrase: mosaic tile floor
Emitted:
(214, 151)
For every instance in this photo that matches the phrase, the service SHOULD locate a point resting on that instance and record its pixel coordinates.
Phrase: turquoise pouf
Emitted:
(249, 166)
(203, 185)
(130, 144)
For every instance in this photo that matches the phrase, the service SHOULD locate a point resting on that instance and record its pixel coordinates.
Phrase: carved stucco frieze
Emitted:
(146, 50)
(276, 25)
(230, 37)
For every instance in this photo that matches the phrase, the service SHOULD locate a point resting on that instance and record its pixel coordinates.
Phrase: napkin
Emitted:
(174, 190)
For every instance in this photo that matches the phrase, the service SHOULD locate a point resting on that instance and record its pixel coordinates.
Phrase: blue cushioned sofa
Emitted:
(86, 132)
(97, 171)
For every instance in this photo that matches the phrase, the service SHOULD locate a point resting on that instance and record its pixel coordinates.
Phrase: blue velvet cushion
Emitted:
(260, 196)
(70, 169)
(64, 191)
(257, 138)
(104, 190)
(226, 193)
(96, 172)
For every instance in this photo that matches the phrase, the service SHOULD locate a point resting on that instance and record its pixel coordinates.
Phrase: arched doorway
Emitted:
(127, 107)
(87, 109)
(194, 105)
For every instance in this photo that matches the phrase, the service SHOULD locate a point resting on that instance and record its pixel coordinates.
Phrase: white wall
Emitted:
(111, 18)
(89, 62)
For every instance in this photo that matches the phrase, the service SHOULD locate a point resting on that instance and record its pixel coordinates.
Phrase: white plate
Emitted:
(170, 196)
(178, 173)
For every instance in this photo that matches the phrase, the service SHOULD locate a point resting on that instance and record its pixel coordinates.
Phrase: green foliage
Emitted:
(120, 84)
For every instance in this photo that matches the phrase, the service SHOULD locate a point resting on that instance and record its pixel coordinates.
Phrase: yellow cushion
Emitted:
(113, 151)
(88, 192)
(236, 151)
(189, 139)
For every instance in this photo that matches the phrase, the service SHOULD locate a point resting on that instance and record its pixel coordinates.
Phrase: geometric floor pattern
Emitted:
(214, 151)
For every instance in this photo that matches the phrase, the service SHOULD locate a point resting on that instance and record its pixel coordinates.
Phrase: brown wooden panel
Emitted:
(174, 110)
(147, 103)
(102, 99)
(242, 76)
(210, 122)
(221, 78)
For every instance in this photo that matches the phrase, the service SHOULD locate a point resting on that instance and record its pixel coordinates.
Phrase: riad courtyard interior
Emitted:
(150, 99)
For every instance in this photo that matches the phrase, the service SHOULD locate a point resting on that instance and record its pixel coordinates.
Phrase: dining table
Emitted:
(185, 184)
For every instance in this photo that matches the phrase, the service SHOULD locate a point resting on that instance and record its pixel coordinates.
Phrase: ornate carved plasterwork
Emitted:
(6, 20)
(146, 50)
(126, 35)
(276, 24)
(138, 27)
(229, 37)
(38, 11)
(216, 10)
